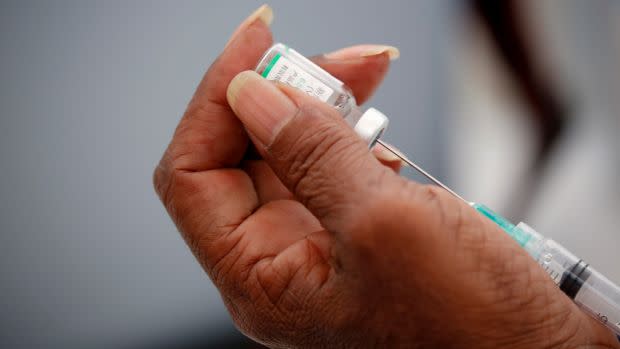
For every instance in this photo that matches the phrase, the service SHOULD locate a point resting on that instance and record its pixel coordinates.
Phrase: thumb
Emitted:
(316, 155)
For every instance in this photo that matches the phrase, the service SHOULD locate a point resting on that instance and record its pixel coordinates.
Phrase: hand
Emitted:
(316, 243)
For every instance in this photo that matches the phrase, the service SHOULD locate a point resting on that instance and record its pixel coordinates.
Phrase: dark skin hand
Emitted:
(321, 244)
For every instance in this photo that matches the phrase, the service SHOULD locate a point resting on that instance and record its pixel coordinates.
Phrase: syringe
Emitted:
(589, 289)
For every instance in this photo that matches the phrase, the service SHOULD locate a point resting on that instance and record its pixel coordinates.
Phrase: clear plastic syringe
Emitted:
(593, 292)
(589, 289)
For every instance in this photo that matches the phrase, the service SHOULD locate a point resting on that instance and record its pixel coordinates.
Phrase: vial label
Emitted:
(283, 70)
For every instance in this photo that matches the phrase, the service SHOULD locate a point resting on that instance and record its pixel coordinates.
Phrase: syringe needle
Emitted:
(419, 169)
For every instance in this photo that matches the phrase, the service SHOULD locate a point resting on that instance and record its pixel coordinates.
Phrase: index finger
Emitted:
(205, 198)
(209, 135)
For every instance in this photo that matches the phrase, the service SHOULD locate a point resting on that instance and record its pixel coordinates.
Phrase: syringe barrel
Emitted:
(589, 289)
(601, 298)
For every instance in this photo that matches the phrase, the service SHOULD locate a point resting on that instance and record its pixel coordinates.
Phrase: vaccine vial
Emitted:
(283, 64)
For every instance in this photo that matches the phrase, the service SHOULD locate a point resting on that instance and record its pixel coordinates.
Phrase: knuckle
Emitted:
(160, 181)
(163, 178)
(166, 178)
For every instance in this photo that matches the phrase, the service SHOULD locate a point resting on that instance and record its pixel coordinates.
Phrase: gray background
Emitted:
(90, 93)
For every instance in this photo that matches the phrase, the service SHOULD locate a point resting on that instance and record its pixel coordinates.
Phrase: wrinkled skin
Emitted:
(317, 243)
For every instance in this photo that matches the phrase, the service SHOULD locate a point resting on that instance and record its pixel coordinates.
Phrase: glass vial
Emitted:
(283, 64)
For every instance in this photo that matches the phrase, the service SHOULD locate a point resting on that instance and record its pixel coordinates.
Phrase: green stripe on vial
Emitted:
(271, 64)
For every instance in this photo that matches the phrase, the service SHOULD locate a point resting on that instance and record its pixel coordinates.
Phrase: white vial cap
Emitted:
(371, 125)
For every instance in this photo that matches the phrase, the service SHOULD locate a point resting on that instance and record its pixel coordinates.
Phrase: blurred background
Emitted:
(514, 104)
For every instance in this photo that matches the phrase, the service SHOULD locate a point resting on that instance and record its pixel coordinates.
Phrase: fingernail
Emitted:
(393, 52)
(364, 51)
(260, 105)
(384, 155)
(263, 14)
